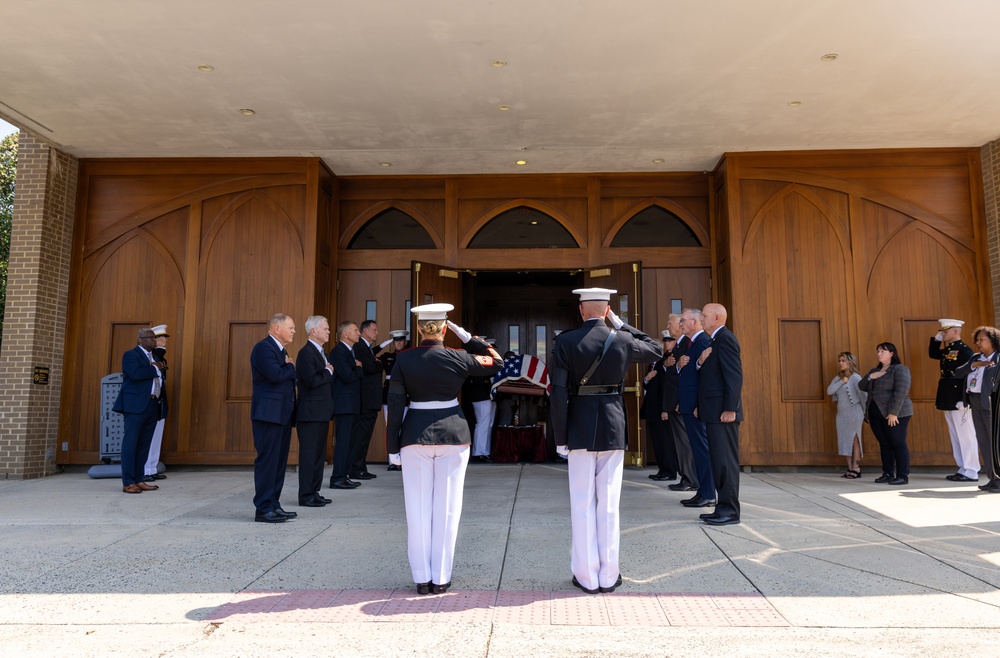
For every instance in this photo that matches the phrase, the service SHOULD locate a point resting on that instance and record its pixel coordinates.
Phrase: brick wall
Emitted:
(35, 320)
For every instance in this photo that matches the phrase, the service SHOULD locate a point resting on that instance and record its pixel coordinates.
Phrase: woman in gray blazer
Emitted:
(850, 412)
(889, 411)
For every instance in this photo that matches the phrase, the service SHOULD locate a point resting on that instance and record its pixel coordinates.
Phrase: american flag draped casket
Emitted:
(522, 374)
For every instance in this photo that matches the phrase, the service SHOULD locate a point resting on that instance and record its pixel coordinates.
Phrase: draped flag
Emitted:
(522, 370)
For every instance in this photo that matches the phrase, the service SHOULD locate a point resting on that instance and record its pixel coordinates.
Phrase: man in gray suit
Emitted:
(982, 379)
(587, 367)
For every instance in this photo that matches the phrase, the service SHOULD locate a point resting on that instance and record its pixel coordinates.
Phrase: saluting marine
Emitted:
(949, 350)
(398, 338)
(431, 440)
(588, 367)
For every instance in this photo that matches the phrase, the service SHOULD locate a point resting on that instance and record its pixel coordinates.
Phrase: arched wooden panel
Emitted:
(676, 209)
(541, 206)
(358, 222)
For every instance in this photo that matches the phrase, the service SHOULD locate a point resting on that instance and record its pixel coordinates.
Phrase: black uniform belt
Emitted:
(606, 389)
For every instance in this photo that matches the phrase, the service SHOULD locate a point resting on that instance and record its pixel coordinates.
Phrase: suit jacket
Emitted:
(991, 381)
(315, 385)
(720, 380)
(687, 392)
(594, 422)
(671, 380)
(346, 380)
(652, 399)
(889, 391)
(273, 398)
(137, 382)
(371, 376)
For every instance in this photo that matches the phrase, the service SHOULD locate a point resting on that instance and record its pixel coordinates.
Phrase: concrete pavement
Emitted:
(820, 566)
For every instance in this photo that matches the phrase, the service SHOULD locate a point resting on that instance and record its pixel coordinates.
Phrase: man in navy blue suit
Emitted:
(687, 403)
(272, 414)
(347, 373)
(139, 401)
(720, 406)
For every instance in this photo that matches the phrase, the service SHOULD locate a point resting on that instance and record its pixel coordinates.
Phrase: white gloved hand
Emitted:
(939, 337)
(615, 320)
(462, 334)
(562, 451)
(395, 459)
(384, 343)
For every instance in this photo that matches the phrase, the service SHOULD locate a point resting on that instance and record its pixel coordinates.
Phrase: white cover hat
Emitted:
(432, 311)
(594, 294)
(948, 323)
(160, 330)
(398, 334)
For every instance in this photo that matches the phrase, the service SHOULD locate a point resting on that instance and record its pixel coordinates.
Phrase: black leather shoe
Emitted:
(287, 515)
(697, 501)
(270, 517)
(899, 480)
(885, 478)
(423, 588)
(661, 477)
(440, 589)
(148, 478)
(344, 484)
(576, 583)
(311, 502)
(393, 467)
(608, 590)
(708, 515)
(721, 520)
(958, 477)
(681, 486)
(325, 501)
(365, 475)
(159, 476)
(993, 489)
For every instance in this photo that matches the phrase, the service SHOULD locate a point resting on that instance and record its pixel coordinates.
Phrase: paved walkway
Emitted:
(821, 566)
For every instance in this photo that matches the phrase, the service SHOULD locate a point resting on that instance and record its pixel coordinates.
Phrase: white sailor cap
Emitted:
(160, 331)
(950, 323)
(594, 294)
(432, 311)
(665, 334)
(398, 334)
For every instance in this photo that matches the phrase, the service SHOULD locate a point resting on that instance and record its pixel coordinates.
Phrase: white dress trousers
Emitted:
(433, 484)
(154, 448)
(963, 441)
(595, 487)
(486, 411)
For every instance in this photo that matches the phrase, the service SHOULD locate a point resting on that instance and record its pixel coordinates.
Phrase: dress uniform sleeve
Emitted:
(559, 396)
(644, 348)
(397, 404)
(934, 350)
(484, 359)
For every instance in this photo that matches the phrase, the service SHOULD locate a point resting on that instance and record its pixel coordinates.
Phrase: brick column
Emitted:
(991, 195)
(35, 318)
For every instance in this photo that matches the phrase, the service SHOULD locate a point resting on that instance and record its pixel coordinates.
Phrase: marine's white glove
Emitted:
(383, 344)
(615, 320)
(395, 459)
(462, 334)
(939, 337)
(562, 451)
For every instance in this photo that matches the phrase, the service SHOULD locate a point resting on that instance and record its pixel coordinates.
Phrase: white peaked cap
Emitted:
(594, 294)
(666, 335)
(398, 333)
(948, 323)
(160, 330)
(432, 311)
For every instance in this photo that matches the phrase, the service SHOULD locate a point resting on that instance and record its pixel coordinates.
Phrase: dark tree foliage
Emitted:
(8, 173)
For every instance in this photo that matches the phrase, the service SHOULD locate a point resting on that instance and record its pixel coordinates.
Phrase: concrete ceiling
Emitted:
(592, 85)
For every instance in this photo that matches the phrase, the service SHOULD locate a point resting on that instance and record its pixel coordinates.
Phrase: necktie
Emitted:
(156, 382)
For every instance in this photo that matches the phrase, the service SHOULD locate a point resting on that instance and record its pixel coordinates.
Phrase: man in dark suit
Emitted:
(687, 403)
(272, 415)
(981, 381)
(315, 410)
(371, 400)
(720, 406)
(139, 401)
(657, 417)
(159, 358)
(587, 368)
(688, 478)
(346, 402)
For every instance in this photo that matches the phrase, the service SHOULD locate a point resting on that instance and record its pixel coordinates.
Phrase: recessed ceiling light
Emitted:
(521, 162)
(829, 57)
(657, 160)
(385, 164)
(206, 68)
(534, 223)
(503, 108)
(794, 103)
(247, 112)
(498, 63)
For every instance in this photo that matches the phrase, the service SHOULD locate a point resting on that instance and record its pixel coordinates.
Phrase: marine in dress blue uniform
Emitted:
(431, 440)
(589, 426)
(951, 353)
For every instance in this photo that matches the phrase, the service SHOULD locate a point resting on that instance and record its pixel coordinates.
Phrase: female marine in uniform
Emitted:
(432, 441)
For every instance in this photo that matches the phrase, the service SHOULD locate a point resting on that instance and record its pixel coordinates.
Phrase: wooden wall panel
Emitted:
(692, 286)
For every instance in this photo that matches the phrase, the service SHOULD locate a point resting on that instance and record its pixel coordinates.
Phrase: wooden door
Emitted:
(626, 278)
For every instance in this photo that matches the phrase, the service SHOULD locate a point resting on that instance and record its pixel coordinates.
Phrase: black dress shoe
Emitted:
(159, 476)
(899, 480)
(393, 467)
(576, 583)
(721, 520)
(311, 502)
(270, 517)
(287, 515)
(344, 484)
(681, 486)
(697, 501)
(148, 478)
(708, 515)
(608, 590)
(885, 478)
(325, 501)
(992, 489)
(365, 475)
(440, 589)
(661, 477)
(423, 588)
(958, 477)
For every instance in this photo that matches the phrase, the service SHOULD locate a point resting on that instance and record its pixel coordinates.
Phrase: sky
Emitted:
(6, 129)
